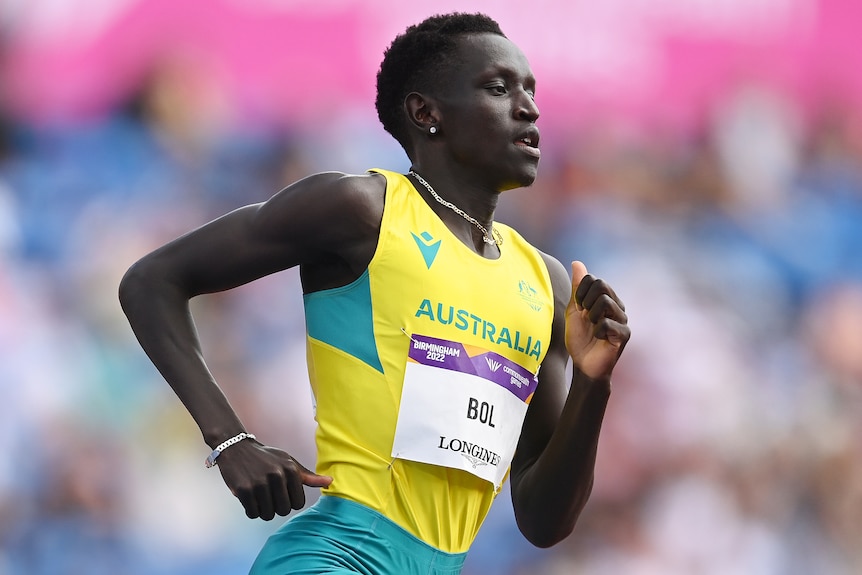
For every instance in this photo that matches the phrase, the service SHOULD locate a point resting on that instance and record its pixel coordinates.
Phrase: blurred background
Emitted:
(704, 156)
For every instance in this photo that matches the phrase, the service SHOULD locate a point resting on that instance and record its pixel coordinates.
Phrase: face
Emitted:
(487, 112)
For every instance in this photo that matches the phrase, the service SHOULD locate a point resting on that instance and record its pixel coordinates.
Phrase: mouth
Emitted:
(529, 142)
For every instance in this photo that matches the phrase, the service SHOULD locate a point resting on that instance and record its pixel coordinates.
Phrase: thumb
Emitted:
(312, 479)
(579, 270)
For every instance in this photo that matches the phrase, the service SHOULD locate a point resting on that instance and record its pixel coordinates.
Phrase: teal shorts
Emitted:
(338, 536)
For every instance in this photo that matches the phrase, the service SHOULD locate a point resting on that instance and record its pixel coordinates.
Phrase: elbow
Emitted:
(545, 528)
(149, 287)
(545, 536)
(130, 287)
(141, 282)
(545, 522)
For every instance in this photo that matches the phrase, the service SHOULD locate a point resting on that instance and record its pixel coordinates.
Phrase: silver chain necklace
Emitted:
(496, 239)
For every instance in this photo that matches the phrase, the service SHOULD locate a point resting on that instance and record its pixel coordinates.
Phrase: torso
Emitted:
(422, 284)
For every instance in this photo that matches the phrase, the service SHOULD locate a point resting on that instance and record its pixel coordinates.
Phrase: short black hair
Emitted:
(416, 58)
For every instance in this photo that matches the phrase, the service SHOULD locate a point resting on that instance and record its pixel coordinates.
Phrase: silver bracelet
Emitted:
(211, 460)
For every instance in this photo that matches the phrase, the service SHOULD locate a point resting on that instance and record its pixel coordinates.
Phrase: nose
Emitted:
(526, 108)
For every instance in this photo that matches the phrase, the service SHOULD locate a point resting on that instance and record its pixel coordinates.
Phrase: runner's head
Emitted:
(418, 59)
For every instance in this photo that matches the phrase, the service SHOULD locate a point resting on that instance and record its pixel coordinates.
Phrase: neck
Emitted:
(474, 196)
(480, 231)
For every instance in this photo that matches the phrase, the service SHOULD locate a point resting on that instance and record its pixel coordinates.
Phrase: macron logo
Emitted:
(494, 365)
(427, 246)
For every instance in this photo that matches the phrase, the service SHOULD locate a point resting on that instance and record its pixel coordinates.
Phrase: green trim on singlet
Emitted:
(342, 317)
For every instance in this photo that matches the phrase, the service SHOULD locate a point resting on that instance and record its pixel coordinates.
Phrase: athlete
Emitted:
(438, 339)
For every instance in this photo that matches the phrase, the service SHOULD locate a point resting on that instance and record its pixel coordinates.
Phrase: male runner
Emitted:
(437, 338)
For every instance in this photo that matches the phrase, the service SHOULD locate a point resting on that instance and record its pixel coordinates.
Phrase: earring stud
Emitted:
(432, 130)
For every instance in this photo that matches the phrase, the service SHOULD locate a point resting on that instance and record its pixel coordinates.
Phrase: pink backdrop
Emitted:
(288, 59)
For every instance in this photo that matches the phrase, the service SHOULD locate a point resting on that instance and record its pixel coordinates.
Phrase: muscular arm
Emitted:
(328, 222)
(552, 472)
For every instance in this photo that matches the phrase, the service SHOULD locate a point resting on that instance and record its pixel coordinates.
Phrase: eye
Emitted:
(497, 89)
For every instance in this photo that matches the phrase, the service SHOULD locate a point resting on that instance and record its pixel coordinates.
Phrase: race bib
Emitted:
(461, 407)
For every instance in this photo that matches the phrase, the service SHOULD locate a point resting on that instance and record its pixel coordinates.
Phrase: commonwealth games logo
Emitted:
(530, 295)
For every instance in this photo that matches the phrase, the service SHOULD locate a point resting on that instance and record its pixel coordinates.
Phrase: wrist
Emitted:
(601, 384)
(211, 460)
(215, 436)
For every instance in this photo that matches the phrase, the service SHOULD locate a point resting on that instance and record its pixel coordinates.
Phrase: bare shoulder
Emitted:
(357, 190)
(560, 281)
(332, 220)
(343, 204)
(369, 182)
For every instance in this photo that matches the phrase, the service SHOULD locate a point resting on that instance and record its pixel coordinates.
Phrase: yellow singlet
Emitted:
(424, 292)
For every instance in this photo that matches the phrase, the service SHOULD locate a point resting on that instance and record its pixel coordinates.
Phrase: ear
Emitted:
(422, 112)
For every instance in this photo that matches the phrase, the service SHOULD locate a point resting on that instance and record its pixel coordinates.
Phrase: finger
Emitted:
(249, 502)
(293, 484)
(579, 271)
(264, 502)
(310, 478)
(613, 332)
(315, 480)
(278, 489)
(605, 307)
(595, 290)
(583, 290)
